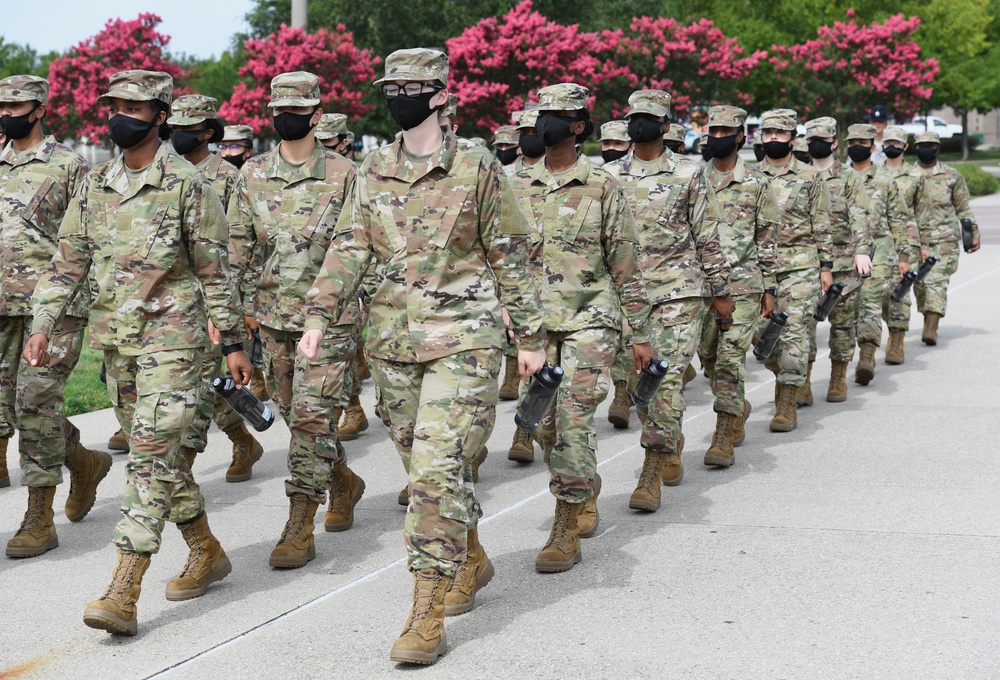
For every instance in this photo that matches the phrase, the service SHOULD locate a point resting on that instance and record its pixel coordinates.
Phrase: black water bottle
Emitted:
(903, 287)
(966, 234)
(769, 338)
(243, 402)
(925, 268)
(256, 351)
(871, 258)
(649, 382)
(539, 399)
(829, 301)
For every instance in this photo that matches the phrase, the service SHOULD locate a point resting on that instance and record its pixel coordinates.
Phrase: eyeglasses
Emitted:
(232, 147)
(894, 144)
(390, 91)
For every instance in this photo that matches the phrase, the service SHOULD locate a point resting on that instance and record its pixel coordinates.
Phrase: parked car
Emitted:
(934, 124)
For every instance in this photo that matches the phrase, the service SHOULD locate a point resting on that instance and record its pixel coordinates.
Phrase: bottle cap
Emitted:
(224, 386)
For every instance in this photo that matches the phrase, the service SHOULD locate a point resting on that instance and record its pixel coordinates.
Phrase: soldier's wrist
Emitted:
(826, 265)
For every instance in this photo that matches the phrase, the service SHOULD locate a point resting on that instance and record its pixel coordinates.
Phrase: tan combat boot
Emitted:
(590, 518)
(523, 448)
(931, 320)
(894, 348)
(4, 473)
(673, 470)
(355, 421)
(647, 492)
(471, 576)
(404, 496)
(37, 534)
(562, 550)
(478, 461)
(346, 490)
(86, 470)
(246, 451)
(257, 386)
(118, 441)
(618, 412)
(115, 611)
(837, 391)
(721, 453)
(804, 394)
(738, 432)
(865, 370)
(785, 419)
(422, 640)
(296, 547)
(206, 561)
(689, 374)
(508, 390)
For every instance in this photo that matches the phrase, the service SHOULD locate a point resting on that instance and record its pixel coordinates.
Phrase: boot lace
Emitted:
(33, 516)
(196, 548)
(121, 580)
(560, 527)
(424, 589)
(296, 520)
(787, 399)
(522, 437)
(339, 501)
(650, 470)
(719, 439)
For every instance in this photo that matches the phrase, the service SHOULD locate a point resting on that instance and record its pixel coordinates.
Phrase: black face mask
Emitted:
(613, 155)
(859, 153)
(238, 161)
(17, 127)
(819, 148)
(777, 150)
(409, 112)
(554, 129)
(927, 154)
(507, 156)
(892, 152)
(185, 141)
(126, 131)
(292, 126)
(642, 130)
(722, 147)
(531, 146)
(675, 147)
(706, 153)
(759, 153)
(803, 158)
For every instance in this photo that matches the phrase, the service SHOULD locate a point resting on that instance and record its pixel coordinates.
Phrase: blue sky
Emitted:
(197, 27)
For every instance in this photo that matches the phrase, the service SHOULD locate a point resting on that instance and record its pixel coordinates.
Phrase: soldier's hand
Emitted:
(924, 254)
(766, 305)
(862, 265)
(309, 344)
(239, 367)
(529, 362)
(213, 333)
(250, 323)
(903, 268)
(975, 245)
(826, 280)
(643, 354)
(724, 308)
(36, 351)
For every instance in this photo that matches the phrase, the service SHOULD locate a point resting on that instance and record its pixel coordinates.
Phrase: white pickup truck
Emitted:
(934, 124)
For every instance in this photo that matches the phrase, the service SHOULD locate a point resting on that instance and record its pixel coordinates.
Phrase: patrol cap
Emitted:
(237, 133)
(515, 117)
(192, 109)
(861, 131)
(821, 127)
(615, 131)
(330, 125)
(779, 119)
(139, 86)
(928, 137)
(420, 64)
(704, 138)
(350, 137)
(879, 114)
(726, 116)
(24, 89)
(895, 134)
(677, 133)
(297, 88)
(800, 146)
(450, 109)
(562, 97)
(652, 102)
(528, 119)
(506, 134)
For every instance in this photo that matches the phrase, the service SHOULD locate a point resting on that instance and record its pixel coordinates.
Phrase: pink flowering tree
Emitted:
(344, 71)
(848, 66)
(79, 77)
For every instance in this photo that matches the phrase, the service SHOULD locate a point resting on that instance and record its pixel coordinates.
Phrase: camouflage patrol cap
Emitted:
(297, 88)
(192, 109)
(331, 125)
(704, 138)
(895, 134)
(779, 119)
(800, 146)
(350, 137)
(506, 134)
(861, 131)
(928, 137)
(755, 139)
(237, 133)
(615, 131)
(563, 97)
(652, 102)
(139, 86)
(677, 133)
(450, 109)
(24, 89)
(821, 127)
(726, 116)
(515, 117)
(421, 65)
(528, 119)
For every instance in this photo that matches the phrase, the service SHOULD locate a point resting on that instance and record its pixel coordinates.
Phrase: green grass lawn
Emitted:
(84, 390)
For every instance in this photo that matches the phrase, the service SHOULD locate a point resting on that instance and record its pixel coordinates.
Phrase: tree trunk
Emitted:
(965, 134)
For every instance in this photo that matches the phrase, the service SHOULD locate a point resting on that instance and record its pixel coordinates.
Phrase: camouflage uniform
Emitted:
(289, 212)
(749, 219)
(680, 255)
(38, 184)
(157, 244)
(527, 121)
(450, 246)
(804, 248)
(674, 139)
(508, 134)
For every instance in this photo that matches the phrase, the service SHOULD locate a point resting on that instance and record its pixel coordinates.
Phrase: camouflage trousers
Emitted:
(306, 393)
(729, 352)
(155, 397)
(843, 320)
(32, 397)
(874, 296)
(932, 294)
(676, 327)
(798, 294)
(624, 366)
(352, 381)
(440, 414)
(211, 407)
(897, 314)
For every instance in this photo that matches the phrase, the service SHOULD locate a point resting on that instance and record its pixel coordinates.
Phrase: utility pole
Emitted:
(300, 13)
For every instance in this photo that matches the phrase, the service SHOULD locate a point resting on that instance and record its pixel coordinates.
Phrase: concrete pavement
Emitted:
(866, 543)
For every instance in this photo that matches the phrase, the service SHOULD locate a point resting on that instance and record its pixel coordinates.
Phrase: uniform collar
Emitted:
(211, 167)
(40, 152)
(313, 168)
(579, 172)
(777, 170)
(720, 180)
(635, 167)
(401, 167)
(117, 179)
